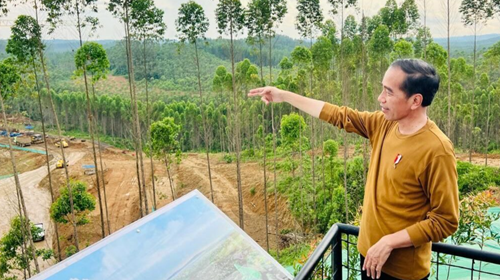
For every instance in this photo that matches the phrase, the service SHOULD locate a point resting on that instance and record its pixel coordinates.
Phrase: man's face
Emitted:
(393, 101)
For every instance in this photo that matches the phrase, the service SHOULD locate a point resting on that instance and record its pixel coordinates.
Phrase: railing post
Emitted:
(337, 256)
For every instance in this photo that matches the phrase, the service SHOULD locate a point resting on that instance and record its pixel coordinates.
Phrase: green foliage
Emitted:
(83, 204)
(92, 57)
(473, 178)
(228, 158)
(9, 76)
(191, 22)
(252, 191)
(341, 4)
(70, 250)
(164, 137)
(292, 254)
(309, 17)
(331, 148)
(57, 9)
(475, 11)
(436, 55)
(475, 222)
(291, 127)
(230, 17)
(402, 49)
(25, 39)
(146, 20)
(12, 259)
(400, 20)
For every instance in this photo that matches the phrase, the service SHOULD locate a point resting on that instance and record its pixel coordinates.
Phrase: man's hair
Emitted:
(421, 77)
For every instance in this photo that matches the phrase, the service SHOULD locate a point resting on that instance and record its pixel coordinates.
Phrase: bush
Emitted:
(473, 178)
(70, 250)
(252, 191)
(228, 158)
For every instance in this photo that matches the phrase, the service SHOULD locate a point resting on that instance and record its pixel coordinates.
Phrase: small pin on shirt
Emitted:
(397, 160)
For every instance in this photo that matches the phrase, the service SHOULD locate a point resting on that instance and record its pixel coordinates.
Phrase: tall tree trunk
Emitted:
(148, 120)
(24, 247)
(90, 122)
(26, 224)
(274, 155)
(47, 157)
(237, 134)
(59, 135)
(313, 180)
(135, 132)
(264, 146)
(487, 131)
(205, 125)
(425, 31)
(96, 129)
(471, 140)
(448, 65)
(167, 164)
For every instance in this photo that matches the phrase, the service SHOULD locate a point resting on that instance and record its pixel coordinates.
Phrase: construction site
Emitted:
(121, 189)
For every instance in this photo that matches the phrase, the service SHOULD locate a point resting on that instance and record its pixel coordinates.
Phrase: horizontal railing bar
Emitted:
(453, 250)
(465, 252)
(466, 268)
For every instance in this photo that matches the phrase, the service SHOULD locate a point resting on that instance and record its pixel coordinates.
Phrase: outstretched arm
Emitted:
(272, 94)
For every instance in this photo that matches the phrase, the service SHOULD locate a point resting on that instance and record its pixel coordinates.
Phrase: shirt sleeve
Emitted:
(440, 182)
(365, 124)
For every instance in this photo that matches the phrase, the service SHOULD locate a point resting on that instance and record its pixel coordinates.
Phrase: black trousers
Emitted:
(383, 276)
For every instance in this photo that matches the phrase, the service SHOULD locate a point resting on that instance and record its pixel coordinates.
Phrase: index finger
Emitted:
(256, 91)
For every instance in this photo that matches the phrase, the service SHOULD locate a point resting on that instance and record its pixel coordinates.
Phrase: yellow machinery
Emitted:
(60, 163)
(64, 144)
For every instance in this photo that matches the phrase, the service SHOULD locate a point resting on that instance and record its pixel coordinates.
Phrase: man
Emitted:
(411, 192)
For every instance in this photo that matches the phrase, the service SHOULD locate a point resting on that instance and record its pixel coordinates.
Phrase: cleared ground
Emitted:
(122, 197)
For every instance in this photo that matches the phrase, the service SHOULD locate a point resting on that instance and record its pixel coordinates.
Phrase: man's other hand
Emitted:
(376, 257)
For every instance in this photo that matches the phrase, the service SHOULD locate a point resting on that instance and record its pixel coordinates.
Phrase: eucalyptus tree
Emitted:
(147, 25)
(23, 45)
(9, 77)
(448, 65)
(192, 24)
(474, 13)
(121, 9)
(402, 49)
(424, 2)
(221, 82)
(230, 19)
(341, 4)
(277, 11)
(322, 54)
(92, 59)
(308, 22)
(82, 59)
(164, 135)
(57, 9)
(400, 20)
(256, 21)
(262, 17)
(40, 51)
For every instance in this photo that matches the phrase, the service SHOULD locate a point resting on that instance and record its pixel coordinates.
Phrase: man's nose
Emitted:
(381, 97)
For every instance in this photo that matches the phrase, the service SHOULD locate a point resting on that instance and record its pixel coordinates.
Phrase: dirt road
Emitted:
(37, 199)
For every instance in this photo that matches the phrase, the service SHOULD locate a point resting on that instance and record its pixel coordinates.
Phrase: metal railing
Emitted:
(336, 257)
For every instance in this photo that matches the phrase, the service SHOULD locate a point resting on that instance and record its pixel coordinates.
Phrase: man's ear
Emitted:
(416, 101)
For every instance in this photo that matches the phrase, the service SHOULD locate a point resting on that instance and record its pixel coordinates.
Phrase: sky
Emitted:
(112, 29)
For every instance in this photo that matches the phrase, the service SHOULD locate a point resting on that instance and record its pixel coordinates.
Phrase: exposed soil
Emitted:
(122, 190)
(25, 162)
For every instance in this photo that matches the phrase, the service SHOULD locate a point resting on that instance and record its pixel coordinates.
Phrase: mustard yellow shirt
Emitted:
(411, 184)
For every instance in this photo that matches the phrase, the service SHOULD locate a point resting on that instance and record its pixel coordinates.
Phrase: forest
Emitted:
(162, 98)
